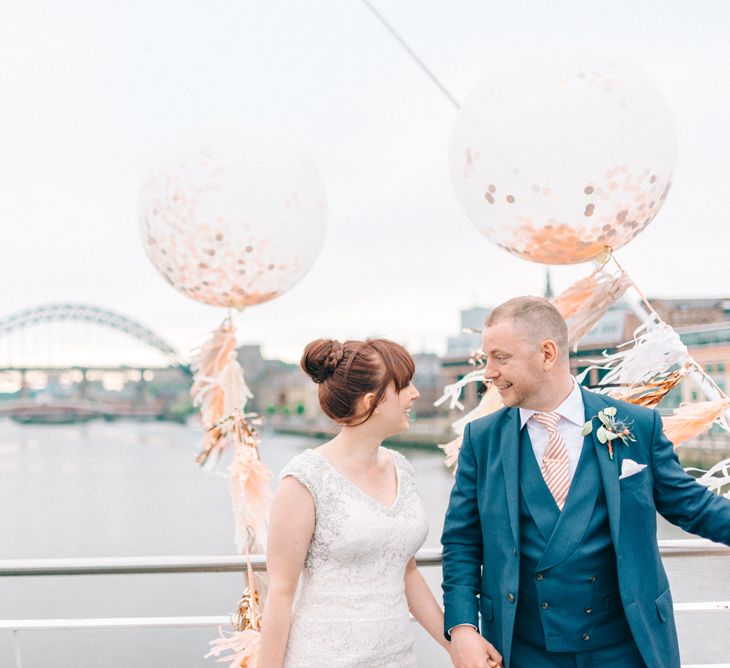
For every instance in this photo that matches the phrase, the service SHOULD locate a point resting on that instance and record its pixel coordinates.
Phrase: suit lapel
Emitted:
(608, 467)
(509, 445)
(573, 521)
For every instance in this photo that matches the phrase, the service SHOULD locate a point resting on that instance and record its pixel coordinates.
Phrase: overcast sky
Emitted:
(91, 89)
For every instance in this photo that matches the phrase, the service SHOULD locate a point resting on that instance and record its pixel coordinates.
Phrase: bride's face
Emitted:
(394, 411)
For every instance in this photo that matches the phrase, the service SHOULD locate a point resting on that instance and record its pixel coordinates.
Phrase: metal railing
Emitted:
(217, 564)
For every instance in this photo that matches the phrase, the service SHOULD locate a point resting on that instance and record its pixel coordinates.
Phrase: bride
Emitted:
(346, 517)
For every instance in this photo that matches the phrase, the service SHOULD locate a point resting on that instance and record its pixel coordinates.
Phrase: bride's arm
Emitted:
(291, 524)
(423, 605)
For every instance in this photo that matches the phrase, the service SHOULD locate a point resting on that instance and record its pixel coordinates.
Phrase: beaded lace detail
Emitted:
(351, 610)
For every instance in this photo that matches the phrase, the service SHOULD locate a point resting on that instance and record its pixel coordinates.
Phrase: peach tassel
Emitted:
(690, 420)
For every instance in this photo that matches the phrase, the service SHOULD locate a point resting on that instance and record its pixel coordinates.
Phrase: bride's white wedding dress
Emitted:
(350, 610)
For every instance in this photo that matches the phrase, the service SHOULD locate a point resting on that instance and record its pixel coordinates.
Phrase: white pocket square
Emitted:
(629, 467)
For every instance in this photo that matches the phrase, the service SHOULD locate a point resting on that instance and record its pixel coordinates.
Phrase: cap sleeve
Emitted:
(305, 469)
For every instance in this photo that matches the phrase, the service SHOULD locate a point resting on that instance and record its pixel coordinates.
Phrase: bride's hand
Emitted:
(470, 650)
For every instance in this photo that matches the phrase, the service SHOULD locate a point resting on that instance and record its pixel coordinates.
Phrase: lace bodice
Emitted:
(350, 610)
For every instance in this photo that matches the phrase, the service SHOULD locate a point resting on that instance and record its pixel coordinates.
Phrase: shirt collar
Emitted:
(572, 409)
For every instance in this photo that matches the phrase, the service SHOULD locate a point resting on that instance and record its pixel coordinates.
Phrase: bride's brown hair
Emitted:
(347, 371)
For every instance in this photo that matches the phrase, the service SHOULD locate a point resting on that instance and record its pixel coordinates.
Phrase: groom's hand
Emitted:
(470, 650)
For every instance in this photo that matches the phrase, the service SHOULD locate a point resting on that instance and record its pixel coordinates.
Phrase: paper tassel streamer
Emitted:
(452, 392)
(219, 388)
(235, 391)
(242, 645)
(657, 349)
(249, 481)
(490, 402)
(717, 478)
(585, 302)
(451, 451)
(209, 386)
(690, 420)
(650, 394)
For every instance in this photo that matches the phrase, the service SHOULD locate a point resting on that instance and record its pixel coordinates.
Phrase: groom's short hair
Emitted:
(538, 316)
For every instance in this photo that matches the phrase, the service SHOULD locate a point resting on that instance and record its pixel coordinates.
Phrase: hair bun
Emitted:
(321, 357)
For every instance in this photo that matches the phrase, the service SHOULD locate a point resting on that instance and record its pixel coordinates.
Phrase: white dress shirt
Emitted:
(572, 418)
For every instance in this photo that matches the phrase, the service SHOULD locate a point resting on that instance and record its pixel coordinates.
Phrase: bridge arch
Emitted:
(91, 314)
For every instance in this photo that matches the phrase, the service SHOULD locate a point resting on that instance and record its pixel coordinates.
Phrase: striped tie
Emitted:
(555, 468)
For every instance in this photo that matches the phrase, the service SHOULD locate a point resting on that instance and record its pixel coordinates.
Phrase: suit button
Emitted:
(540, 576)
(589, 610)
(592, 579)
(544, 605)
(586, 636)
(511, 597)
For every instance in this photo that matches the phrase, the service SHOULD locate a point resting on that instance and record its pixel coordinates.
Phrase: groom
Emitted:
(550, 536)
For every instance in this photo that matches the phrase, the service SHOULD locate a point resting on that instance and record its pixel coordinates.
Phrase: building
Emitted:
(427, 380)
(278, 387)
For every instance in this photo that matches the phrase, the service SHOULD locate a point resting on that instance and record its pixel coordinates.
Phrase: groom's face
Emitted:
(514, 362)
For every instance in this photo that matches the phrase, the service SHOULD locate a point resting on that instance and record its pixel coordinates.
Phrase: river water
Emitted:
(131, 489)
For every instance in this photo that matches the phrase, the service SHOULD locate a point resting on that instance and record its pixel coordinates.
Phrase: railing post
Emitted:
(16, 642)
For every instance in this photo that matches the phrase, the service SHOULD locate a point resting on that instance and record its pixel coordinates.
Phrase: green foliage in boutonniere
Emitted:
(610, 429)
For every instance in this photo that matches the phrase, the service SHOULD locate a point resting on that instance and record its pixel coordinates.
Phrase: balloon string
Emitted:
(649, 307)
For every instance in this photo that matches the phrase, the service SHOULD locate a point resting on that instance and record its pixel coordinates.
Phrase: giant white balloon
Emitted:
(557, 158)
(233, 218)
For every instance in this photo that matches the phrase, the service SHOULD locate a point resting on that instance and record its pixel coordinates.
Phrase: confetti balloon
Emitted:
(233, 218)
(560, 157)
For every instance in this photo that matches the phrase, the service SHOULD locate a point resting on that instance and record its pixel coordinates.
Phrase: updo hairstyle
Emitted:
(347, 371)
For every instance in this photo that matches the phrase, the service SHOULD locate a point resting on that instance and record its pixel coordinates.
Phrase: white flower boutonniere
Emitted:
(611, 428)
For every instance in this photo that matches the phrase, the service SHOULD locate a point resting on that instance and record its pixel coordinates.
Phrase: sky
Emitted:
(90, 90)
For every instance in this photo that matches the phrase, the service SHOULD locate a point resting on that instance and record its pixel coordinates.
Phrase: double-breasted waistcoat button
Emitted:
(586, 636)
(540, 576)
(544, 605)
(511, 597)
(589, 610)
(592, 579)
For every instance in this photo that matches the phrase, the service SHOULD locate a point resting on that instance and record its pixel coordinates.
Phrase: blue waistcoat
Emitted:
(569, 598)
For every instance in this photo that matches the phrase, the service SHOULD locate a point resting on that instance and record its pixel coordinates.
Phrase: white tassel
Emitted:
(716, 478)
(453, 392)
(656, 349)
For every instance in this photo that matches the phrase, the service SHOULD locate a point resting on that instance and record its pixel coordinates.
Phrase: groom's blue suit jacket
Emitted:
(482, 534)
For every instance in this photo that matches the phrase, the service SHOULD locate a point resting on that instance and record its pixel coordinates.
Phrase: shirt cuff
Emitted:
(458, 625)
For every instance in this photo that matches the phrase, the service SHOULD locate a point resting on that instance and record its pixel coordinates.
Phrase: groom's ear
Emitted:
(549, 354)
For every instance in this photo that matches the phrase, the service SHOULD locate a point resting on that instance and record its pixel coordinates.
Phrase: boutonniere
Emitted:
(611, 428)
